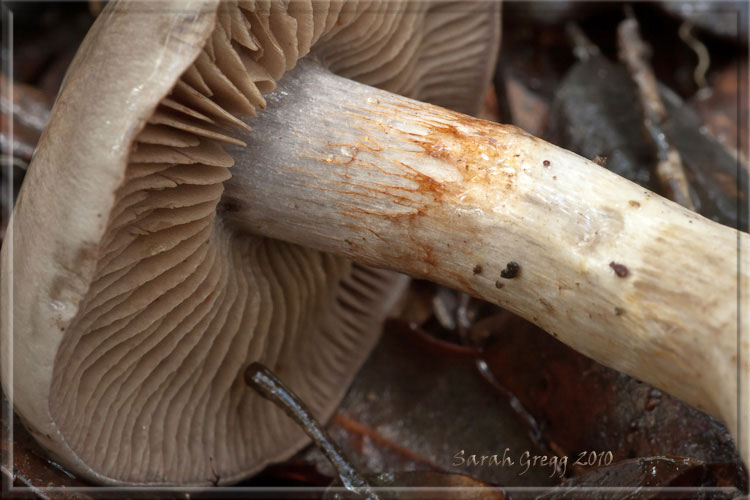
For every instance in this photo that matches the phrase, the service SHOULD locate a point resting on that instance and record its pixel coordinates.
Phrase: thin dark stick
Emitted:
(270, 387)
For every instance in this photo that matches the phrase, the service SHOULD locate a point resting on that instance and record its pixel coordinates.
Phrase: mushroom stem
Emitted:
(617, 272)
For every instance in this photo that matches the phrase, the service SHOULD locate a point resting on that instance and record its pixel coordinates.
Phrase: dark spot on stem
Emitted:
(633, 203)
(547, 305)
(546, 163)
(477, 269)
(620, 270)
(600, 160)
(619, 311)
(511, 270)
(498, 284)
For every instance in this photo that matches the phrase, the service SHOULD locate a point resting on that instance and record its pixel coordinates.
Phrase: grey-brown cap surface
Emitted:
(129, 307)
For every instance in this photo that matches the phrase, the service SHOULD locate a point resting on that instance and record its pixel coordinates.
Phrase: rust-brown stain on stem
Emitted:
(442, 164)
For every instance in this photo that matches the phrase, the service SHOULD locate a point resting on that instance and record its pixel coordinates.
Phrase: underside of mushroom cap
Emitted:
(134, 308)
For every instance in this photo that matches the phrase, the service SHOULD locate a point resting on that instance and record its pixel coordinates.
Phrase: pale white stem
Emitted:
(613, 270)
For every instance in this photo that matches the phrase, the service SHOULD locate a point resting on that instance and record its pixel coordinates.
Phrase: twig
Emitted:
(704, 58)
(363, 430)
(270, 387)
(634, 54)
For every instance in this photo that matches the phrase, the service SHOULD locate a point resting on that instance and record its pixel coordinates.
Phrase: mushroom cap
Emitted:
(129, 308)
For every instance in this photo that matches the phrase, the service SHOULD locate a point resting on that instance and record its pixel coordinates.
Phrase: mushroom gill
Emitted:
(147, 381)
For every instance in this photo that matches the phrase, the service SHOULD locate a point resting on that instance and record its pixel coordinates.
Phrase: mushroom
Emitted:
(131, 305)
(146, 273)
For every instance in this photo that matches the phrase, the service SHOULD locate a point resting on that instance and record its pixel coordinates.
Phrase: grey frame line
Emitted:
(7, 486)
(742, 433)
(6, 59)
